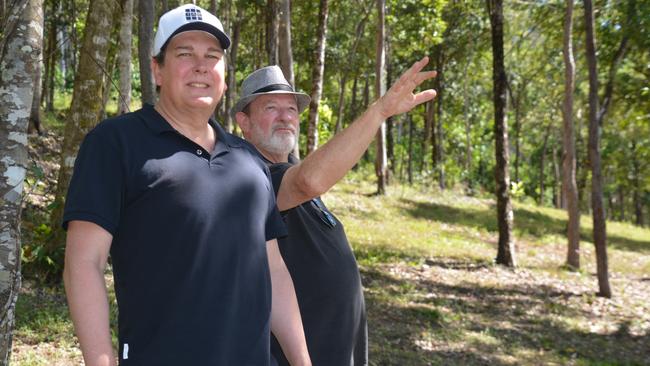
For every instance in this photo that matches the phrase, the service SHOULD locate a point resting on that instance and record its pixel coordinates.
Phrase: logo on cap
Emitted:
(193, 14)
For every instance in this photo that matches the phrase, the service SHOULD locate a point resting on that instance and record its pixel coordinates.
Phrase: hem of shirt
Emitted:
(90, 217)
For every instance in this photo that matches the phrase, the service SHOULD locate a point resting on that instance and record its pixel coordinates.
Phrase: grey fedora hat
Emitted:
(267, 80)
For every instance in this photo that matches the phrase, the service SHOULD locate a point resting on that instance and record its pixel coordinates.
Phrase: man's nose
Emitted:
(200, 67)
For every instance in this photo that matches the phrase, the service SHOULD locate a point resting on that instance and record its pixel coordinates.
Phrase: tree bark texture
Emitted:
(285, 51)
(317, 77)
(272, 31)
(542, 166)
(20, 56)
(49, 58)
(146, 14)
(381, 158)
(505, 216)
(569, 185)
(126, 31)
(35, 115)
(598, 210)
(84, 111)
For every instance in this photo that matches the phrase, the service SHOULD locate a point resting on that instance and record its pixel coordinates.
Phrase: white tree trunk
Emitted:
(17, 64)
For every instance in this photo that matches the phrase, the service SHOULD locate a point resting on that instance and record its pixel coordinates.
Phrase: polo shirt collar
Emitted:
(158, 124)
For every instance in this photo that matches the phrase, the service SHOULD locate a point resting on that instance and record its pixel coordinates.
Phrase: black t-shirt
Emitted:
(189, 240)
(327, 282)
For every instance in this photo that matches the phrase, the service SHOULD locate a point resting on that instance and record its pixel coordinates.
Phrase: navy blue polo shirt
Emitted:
(189, 231)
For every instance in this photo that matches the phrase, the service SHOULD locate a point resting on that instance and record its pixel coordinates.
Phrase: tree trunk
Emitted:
(126, 31)
(231, 93)
(638, 189)
(341, 105)
(557, 180)
(284, 48)
(146, 12)
(390, 124)
(19, 59)
(542, 165)
(381, 164)
(410, 153)
(50, 60)
(317, 78)
(353, 99)
(506, 250)
(440, 134)
(272, 31)
(35, 114)
(429, 135)
(598, 211)
(468, 128)
(111, 64)
(83, 115)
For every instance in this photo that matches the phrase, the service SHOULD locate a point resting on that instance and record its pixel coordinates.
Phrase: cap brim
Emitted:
(302, 100)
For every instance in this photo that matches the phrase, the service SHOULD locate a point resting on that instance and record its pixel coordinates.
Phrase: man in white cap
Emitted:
(316, 250)
(189, 217)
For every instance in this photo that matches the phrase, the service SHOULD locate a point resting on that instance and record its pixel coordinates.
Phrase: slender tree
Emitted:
(126, 31)
(272, 31)
(317, 77)
(19, 57)
(146, 14)
(506, 249)
(381, 158)
(35, 114)
(285, 51)
(598, 210)
(83, 115)
(569, 186)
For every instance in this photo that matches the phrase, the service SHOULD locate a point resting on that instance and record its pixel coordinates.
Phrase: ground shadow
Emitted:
(503, 314)
(527, 222)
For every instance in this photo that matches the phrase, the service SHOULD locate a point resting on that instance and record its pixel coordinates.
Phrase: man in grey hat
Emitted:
(316, 251)
(189, 217)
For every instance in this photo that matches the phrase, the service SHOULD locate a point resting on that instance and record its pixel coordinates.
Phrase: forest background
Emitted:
(532, 101)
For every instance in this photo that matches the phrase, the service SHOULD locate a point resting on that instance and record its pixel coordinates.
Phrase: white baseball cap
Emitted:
(187, 18)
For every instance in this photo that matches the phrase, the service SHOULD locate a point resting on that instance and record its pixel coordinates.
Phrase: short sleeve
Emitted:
(96, 189)
(275, 227)
(277, 173)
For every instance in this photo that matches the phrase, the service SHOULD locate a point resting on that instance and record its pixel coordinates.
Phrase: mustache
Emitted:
(284, 126)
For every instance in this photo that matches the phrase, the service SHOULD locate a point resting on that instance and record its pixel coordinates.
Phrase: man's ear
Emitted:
(244, 122)
(155, 69)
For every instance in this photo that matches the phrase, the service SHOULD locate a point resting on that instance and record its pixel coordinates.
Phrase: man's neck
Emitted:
(274, 158)
(194, 126)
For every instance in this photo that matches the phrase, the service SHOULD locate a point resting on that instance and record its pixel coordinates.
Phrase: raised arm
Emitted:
(86, 253)
(286, 323)
(321, 169)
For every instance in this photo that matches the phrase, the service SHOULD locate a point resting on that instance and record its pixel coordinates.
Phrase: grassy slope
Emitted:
(434, 296)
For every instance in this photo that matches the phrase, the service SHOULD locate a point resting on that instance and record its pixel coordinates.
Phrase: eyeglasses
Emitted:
(326, 217)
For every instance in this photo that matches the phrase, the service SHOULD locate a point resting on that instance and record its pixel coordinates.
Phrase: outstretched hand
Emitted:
(400, 98)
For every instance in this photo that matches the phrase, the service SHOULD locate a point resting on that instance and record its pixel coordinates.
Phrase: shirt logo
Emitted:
(193, 14)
